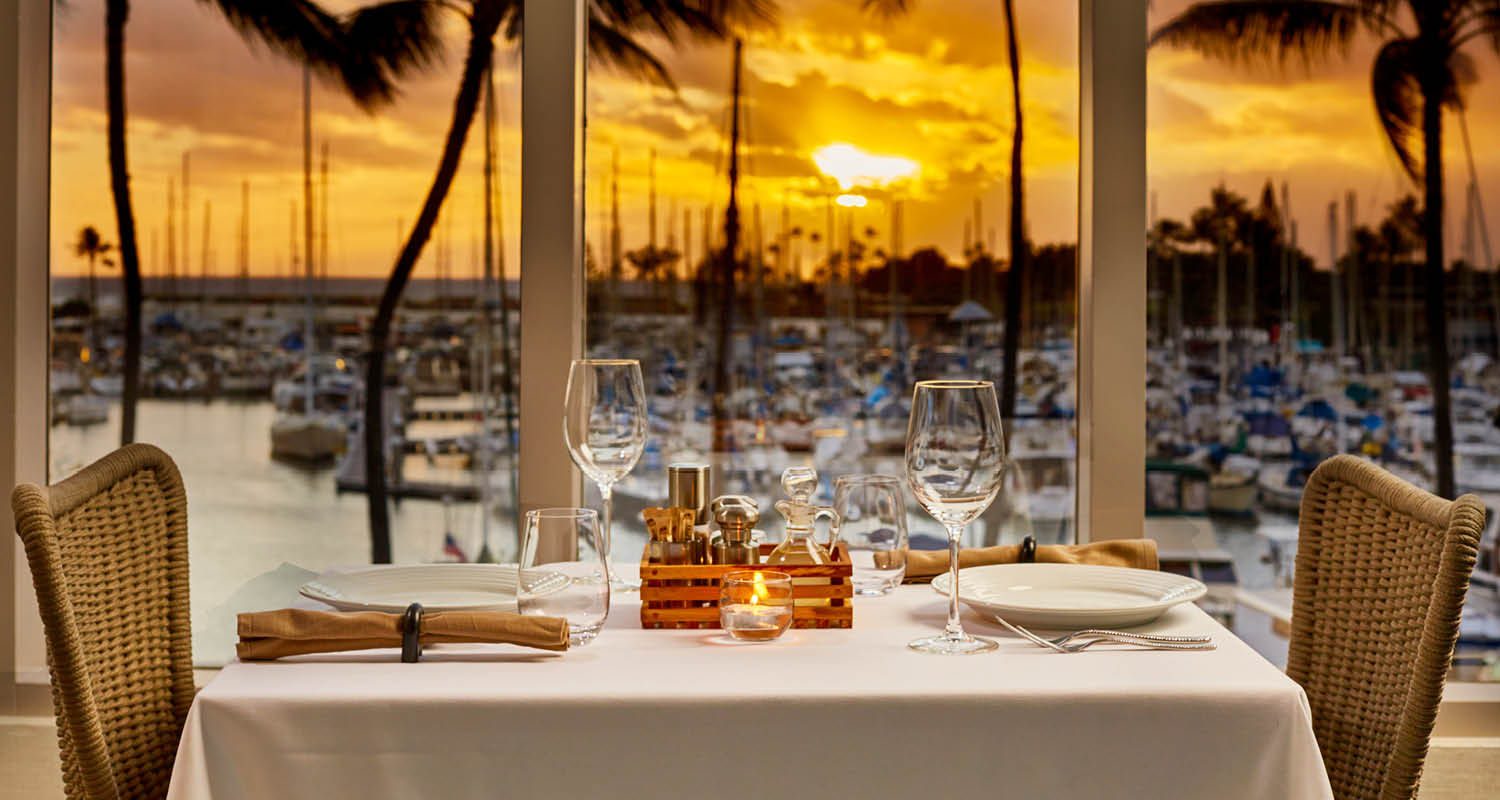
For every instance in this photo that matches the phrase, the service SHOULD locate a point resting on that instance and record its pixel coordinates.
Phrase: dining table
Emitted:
(828, 713)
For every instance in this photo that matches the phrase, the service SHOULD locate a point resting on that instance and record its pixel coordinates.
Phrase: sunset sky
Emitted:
(931, 88)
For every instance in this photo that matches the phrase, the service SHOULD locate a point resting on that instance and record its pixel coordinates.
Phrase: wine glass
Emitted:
(604, 424)
(562, 571)
(955, 459)
(872, 523)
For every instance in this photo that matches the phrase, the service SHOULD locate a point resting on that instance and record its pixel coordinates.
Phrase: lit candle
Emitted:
(755, 606)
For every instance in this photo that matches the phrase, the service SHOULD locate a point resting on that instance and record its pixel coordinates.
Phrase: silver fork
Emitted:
(1133, 636)
(1144, 644)
(1200, 643)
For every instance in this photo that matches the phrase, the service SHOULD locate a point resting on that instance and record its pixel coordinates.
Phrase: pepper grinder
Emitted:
(687, 487)
(736, 515)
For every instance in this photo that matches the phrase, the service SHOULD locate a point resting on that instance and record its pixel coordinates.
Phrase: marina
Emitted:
(1223, 486)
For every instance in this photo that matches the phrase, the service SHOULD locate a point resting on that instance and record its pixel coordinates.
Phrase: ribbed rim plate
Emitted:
(438, 587)
(1060, 596)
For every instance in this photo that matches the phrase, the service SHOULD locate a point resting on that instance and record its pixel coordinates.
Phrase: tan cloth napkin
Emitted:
(294, 631)
(924, 565)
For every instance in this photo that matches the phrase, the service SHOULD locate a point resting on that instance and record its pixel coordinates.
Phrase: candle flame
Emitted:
(759, 592)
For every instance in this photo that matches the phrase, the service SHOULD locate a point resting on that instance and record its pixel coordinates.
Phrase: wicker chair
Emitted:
(108, 555)
(1382, 568)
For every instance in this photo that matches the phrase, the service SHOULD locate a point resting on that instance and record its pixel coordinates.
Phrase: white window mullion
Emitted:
(552, 296)
(1111, 269)
(25, 128)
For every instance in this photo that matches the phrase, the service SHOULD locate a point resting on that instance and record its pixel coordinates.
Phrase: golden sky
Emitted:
(931, 88)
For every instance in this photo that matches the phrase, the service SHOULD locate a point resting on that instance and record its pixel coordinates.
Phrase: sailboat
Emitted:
(308, 434)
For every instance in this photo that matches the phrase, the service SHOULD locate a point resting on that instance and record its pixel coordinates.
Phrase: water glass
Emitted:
(872, 524)
(562, 570)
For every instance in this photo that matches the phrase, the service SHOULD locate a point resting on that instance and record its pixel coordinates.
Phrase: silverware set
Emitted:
(1092, 636)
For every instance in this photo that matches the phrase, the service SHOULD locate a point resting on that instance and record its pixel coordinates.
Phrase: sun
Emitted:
(853, 167)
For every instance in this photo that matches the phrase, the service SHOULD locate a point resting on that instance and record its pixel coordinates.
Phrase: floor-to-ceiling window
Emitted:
(271, 202)
(790, 221)
(1288, 282)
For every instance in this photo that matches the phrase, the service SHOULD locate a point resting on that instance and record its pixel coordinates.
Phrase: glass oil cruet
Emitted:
(798, 546)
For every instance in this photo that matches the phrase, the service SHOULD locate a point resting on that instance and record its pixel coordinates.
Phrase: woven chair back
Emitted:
(108, 554)
(1382, 569)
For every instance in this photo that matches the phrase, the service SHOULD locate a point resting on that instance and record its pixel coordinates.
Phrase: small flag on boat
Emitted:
(452, 550)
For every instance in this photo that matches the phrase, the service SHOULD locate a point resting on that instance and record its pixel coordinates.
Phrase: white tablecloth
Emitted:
(819, 713)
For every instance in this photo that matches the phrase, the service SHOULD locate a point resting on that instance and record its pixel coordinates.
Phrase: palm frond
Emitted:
(306, 33)
(886, 8)
(616, 25)
(298, 29)
(1266, 31)
(672, 19)
(1398, 100)
(387, 41)
(617, 49)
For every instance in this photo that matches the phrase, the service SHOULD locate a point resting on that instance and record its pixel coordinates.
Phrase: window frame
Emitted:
(1112, 273)
(25, 130)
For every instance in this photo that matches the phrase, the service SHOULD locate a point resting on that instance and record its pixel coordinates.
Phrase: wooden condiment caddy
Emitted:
(669, 598)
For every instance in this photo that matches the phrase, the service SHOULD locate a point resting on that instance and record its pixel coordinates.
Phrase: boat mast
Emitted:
(171, 239)
(309, 391)
(615, 265)
(651, 204)
(187, 257)
(208, 208)
(244, 256)
(323, 230)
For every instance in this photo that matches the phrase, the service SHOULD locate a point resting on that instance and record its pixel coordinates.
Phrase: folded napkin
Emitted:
(294, 631)
(924, 565)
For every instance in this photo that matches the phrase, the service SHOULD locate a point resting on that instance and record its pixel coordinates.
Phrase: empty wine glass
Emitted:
(604, 424)
(562, 571)
(955, 459)
(872, 524)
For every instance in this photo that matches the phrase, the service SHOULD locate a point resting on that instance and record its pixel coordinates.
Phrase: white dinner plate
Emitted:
(1071, 596)
(438, 587)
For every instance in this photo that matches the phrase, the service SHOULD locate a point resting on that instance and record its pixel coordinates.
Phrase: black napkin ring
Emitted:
(1028, 550)
(411, 634)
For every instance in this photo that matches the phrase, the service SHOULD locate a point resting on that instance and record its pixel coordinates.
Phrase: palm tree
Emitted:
(612, 30)
(1401, 234)
(1222, 224)
(91, 245)
(1420, 68)
(298, 29)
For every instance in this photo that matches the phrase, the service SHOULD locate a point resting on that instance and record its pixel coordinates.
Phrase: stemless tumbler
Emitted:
(872, 524)
(562, 571)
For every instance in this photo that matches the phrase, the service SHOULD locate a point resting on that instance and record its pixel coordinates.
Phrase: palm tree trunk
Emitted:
(1409, 333)
(93, 300)
(482, 26)
(116, 13)
(1382, 348)
(1436, 281)
(1221, 314)
(721, 438)
(1015, 276)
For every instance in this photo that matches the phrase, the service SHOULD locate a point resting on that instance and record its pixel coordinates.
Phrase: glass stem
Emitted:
(954, 630)
(606, 494)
